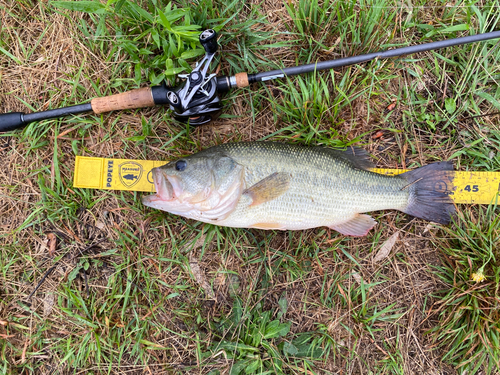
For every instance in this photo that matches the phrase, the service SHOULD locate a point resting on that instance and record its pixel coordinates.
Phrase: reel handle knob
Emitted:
(208, 40)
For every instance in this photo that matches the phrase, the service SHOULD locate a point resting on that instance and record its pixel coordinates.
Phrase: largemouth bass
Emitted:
(271, 185)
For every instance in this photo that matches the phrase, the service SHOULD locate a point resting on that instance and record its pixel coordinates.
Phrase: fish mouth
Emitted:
(163, 186)
(168, 189)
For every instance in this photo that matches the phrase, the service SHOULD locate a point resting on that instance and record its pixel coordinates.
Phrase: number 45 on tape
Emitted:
(466, 187)
(135, 175)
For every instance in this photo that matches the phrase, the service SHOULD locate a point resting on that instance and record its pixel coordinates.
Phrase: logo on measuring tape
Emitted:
(130, 173)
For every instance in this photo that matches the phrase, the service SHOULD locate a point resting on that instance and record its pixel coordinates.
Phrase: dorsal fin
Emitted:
(356, 156)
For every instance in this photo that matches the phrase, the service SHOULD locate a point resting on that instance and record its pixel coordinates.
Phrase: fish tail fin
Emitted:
(429, 186)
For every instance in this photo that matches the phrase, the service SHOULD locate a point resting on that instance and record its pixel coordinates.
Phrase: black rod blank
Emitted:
(58, 112)
(330, 64)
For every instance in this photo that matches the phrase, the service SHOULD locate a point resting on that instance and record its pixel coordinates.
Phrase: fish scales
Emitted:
(271, 185)
(324, 190)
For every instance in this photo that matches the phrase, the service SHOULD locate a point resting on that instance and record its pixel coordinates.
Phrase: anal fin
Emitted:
(268, 188)
(358, 226)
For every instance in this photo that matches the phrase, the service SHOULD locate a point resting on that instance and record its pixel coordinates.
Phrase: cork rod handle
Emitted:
(127, 100)
(241, 79)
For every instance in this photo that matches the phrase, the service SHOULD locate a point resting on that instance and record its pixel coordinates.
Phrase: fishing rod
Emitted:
(196, 100)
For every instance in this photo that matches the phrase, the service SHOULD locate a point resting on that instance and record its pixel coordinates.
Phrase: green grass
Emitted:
(122, 295)
(468, 308)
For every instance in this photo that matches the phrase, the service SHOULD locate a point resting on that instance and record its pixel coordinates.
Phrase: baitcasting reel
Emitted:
(195, 101)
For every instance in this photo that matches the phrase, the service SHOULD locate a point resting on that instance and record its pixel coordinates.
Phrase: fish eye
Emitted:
(180, 165)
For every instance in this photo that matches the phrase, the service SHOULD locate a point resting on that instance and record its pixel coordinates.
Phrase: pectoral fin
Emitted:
(269, 188)
(358, 226)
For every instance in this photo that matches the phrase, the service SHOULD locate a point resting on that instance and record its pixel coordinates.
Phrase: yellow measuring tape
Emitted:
(135, 175)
